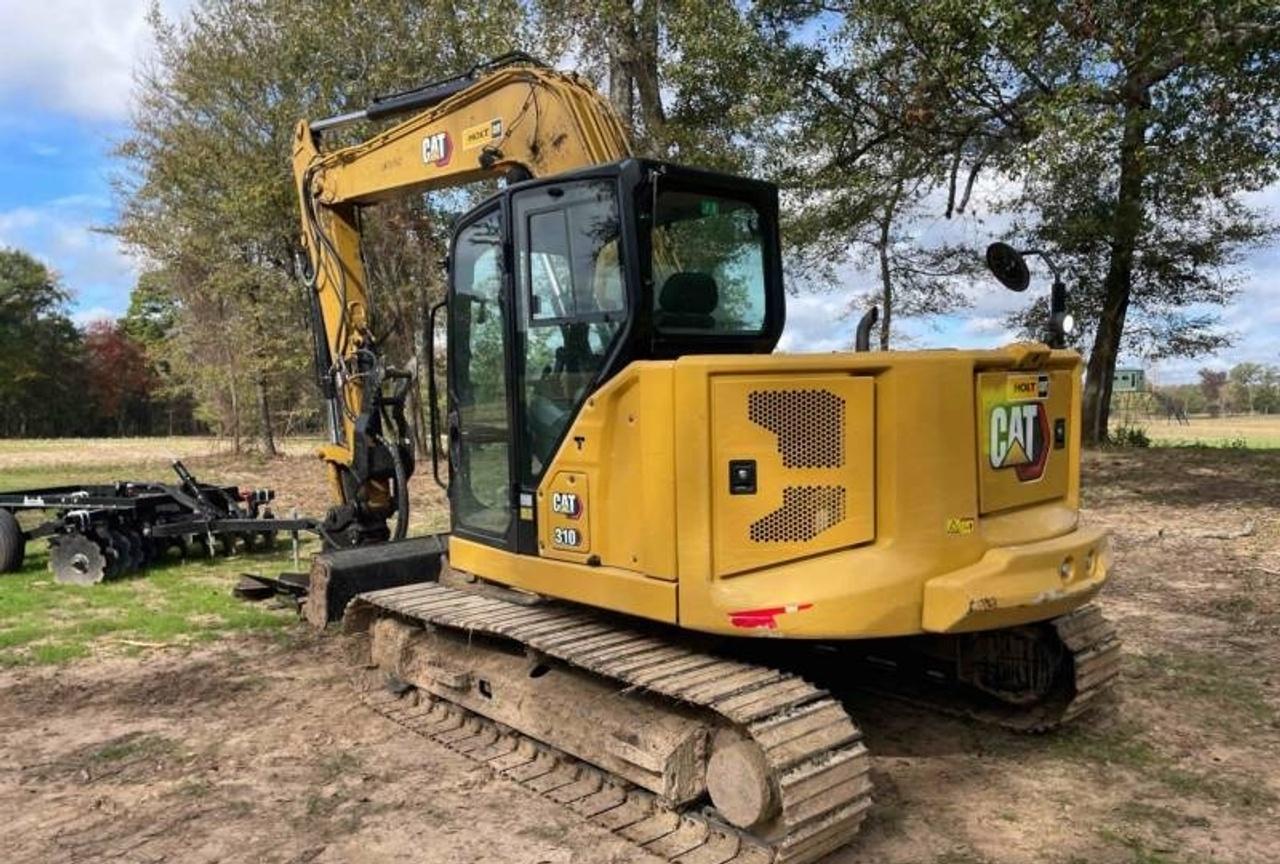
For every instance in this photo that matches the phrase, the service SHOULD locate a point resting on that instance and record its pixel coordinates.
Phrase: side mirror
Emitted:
(1008, 265)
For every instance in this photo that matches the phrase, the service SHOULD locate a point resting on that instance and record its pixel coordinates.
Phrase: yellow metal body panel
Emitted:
(913, 553)
(566, 532)
(811, 437)
(1019, 584)
(605, 587)
(623, 442)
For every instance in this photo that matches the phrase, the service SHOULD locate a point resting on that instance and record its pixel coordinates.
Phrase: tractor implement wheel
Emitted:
(112, 548)
(193, 547)
(13, 543)
(120, 548)
(146, 551)
(77, 560)
(137, 549)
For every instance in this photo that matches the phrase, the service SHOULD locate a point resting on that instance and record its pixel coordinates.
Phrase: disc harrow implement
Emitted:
(99, 532)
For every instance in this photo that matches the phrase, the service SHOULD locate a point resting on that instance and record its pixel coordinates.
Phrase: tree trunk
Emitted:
(886, 286)
(265, 434)
(1126, 225)
(235, 421)
(645, 72)
(621, 89)
(235, 412)
(417, 393)
(886, 269)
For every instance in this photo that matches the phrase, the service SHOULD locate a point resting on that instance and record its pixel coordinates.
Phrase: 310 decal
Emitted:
(567, 537)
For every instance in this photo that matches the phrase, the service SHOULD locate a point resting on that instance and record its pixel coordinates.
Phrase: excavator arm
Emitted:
(511, 118)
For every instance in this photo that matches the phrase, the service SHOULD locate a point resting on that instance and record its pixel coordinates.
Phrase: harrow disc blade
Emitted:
(77, 560)
(119, 553)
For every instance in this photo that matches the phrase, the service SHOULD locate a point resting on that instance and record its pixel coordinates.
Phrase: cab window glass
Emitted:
(477, 342)
(569, 273)
(708, 264)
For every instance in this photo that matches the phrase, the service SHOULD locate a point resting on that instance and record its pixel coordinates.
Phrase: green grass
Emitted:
(1256, 432)
(173, 602)
(132, 745)
(1127, 746)
(1232, 697)
(44, 476)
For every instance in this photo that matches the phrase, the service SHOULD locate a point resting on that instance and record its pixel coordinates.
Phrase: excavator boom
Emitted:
(511, 118)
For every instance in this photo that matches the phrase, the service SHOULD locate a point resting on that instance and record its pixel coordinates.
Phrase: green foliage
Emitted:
(41, 357)
(207, 191)
(693, 80)
(1130, 436)
(1122, 133)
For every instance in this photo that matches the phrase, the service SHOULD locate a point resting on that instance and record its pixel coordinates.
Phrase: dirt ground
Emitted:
(253, 750)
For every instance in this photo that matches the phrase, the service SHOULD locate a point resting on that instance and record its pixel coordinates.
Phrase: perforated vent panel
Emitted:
(805, 513)
(809, 424)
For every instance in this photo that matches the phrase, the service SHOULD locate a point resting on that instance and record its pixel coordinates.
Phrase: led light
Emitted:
(1068, 324)
(1064, 569)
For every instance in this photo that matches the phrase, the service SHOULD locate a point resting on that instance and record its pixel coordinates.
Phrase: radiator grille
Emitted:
(805, 513)
(809, 424)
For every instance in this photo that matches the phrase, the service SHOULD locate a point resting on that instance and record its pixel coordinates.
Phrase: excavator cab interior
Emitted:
(559, 284)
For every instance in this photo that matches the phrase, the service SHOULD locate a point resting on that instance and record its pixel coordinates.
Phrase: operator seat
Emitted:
(687, 300)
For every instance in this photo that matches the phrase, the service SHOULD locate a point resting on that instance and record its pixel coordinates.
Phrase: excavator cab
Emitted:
(557, 285)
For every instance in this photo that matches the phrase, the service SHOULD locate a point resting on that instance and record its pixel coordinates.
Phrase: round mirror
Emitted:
(1008, 266)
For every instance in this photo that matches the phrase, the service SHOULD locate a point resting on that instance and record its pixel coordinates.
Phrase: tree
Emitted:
(1127, 131)
(41, 362)
(207, 193)
(119, 379)
(1243, 382)
(1212, 383)
(693, 80)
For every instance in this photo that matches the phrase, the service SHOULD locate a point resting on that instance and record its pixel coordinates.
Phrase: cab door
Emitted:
(480, 425)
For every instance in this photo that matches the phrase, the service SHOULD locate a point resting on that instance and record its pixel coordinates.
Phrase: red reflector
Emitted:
(766, 619)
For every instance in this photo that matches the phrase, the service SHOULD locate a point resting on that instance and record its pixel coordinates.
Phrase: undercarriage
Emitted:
(686, 749)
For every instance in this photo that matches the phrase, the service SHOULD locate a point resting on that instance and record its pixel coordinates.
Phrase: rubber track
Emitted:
(818, 764)
(1094, 647)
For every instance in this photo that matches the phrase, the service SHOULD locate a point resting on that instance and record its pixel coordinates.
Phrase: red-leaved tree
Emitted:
(120, 381)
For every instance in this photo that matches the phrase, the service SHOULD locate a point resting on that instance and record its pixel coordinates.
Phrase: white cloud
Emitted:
(74, 56)
(97, 313)
(818, 323)
(62, 234)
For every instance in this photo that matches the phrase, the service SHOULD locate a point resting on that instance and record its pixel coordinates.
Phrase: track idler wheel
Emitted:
(77, 560)
(738, 780)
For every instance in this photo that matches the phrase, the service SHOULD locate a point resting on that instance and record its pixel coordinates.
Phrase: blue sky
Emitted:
(65, 80)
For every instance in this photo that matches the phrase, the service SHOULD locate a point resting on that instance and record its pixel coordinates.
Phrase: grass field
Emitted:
(173, 603)
(176, 602)
(1257, 432)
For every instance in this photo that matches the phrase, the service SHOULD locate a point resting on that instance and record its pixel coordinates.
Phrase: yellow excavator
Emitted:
(671, 546)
